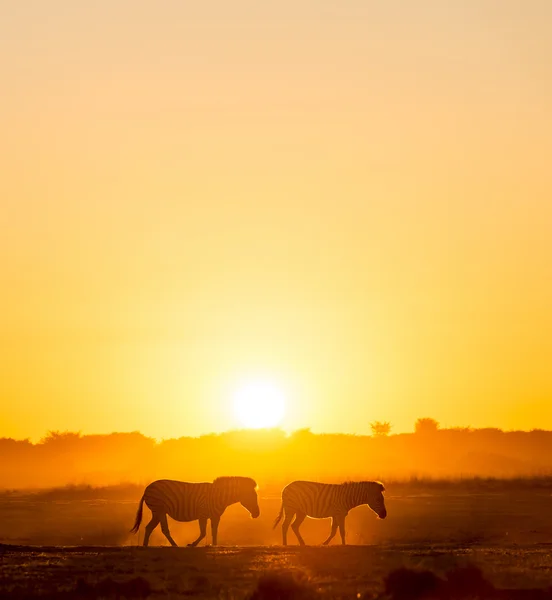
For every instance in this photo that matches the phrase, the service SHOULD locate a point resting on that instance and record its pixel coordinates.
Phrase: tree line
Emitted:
(62, 458)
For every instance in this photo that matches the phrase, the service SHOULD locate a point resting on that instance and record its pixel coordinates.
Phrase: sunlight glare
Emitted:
(259, 404)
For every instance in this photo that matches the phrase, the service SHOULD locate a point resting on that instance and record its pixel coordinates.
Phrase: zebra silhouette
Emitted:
(184, 501)
(321, 500)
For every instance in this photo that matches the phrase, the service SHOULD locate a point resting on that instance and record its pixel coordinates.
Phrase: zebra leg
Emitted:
(296, 524)
(341, 524)
(214, 528)
(165, 530)
(332, 532)
(150, 527)
(285, 525)
(202, 531)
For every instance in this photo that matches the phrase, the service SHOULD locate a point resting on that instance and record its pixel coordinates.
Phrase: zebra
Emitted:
(321, 500)
(195, 501)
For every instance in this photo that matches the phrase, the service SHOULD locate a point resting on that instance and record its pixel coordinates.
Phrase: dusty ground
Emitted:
(75, 543)
(233, 572)
(493, 513)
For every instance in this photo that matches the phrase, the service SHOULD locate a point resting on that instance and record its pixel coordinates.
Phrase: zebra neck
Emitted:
(225, 497)
(353, 497)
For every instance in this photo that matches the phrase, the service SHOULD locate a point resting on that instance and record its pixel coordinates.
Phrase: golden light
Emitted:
(259, 404)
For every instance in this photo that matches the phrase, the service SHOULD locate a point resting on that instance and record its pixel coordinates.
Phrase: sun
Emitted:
(259, 404)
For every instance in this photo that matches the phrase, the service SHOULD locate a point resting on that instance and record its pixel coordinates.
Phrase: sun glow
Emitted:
(259, 404)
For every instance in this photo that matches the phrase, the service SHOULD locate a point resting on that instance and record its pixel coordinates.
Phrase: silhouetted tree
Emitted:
(273, 457)
(426, 425)
(380, 429)
(61, 438)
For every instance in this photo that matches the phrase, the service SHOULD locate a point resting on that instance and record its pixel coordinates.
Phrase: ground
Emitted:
(234, 572)
(75, 543)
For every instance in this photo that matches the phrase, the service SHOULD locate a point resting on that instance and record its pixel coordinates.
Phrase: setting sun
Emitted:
(259, 404)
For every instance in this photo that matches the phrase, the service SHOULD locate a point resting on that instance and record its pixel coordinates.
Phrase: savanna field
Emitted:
(248, 244)
(458, 538)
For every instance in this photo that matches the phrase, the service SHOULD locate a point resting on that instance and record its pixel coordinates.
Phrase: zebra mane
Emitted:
(240, 481)
(377, 484)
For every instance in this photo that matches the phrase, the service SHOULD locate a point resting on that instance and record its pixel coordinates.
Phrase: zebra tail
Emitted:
(279, 517)
(138, 517)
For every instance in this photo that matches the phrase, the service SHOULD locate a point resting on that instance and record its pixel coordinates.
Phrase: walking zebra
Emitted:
(321, 500)
(195, 501)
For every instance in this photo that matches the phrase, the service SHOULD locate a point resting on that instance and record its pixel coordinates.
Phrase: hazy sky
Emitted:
(352, 199)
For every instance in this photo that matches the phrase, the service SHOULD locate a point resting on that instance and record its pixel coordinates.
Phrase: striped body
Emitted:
(321, 500)
(185, 501)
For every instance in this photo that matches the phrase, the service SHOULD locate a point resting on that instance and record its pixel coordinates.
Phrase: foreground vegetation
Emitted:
(74, 542)
(391, 571)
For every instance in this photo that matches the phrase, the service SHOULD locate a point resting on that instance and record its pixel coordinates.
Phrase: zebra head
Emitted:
(242, 490)
(373, 493)
(248, 497)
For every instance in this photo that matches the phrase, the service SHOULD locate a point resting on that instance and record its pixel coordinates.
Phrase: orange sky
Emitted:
(352, 199)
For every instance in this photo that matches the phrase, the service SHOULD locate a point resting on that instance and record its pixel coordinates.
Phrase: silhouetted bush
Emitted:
(283, 585)
(407, 584)
(380, 429)
(464, 583)
(426, 426)
(272, 457)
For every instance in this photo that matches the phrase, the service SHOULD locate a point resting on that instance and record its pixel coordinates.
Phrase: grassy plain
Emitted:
(74, 542)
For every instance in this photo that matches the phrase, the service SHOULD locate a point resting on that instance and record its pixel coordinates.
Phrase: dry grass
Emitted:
(501, 531)
(471, 511)
(399, 572)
